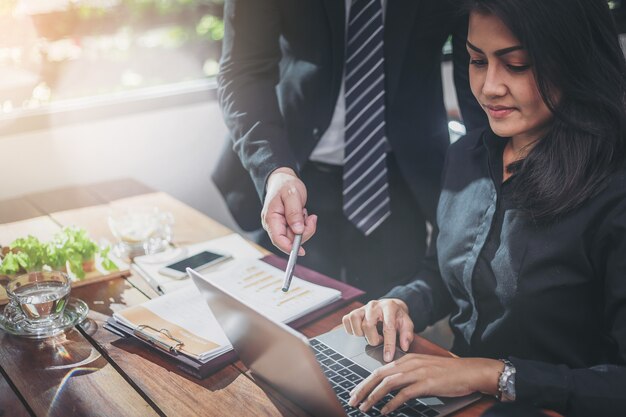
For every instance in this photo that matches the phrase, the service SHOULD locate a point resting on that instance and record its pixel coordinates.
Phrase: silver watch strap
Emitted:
(506, 382)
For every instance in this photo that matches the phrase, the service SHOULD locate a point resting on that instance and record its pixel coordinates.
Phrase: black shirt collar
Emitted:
(494, 145)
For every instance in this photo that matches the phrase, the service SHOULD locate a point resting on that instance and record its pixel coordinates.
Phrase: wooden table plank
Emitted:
(190, 225)
(64, 199)
(119, 188)
(65, 376)
(42, 228)
(108, 297)
(227, 392)
(93, 219)
(10, 404)
(17, 209)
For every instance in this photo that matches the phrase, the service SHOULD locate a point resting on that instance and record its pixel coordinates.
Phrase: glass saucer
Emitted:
(75, 312)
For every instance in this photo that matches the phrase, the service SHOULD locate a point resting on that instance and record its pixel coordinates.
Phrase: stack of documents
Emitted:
(181, 322)
(180, 317)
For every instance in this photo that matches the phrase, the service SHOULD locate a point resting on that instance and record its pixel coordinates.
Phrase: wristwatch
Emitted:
(506, 382)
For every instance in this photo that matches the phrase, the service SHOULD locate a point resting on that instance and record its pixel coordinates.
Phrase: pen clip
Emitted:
(173, 347)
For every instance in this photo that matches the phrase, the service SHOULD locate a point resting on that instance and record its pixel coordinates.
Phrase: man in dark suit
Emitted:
(337, 106)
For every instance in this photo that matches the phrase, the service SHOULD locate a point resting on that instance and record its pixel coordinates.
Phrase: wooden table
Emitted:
(88, 371)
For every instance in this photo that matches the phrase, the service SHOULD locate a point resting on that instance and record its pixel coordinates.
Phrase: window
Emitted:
(53, 51)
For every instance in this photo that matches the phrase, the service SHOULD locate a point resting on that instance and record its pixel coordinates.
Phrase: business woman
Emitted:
(530, 260)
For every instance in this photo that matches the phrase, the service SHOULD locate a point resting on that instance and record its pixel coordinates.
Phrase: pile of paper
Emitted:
(182, 320)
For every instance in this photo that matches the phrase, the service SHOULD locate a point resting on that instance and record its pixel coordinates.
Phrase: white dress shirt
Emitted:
(330, 148)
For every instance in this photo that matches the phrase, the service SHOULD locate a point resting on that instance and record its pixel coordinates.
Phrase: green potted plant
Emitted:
(70, 250)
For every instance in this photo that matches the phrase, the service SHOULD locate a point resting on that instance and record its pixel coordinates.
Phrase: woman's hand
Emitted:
(393, 313)
(417, 375)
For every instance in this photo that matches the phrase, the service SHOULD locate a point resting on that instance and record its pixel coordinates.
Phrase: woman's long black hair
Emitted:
(574, 49)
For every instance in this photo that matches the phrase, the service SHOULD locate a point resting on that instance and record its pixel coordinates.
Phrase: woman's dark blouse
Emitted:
(550, 298)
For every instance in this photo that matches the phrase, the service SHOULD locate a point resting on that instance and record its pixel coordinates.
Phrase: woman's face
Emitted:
(502, 80)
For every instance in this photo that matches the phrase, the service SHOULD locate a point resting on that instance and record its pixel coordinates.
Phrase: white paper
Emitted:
(148, 266)
(254, 282)
(260, 286)
(187, 309)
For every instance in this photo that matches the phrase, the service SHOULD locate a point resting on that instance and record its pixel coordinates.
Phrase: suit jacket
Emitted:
(280, 76)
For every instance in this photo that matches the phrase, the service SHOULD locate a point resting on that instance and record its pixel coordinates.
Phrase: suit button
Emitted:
(316, 132)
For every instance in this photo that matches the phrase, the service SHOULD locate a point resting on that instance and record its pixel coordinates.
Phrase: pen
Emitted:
(148, 278)
(293, 256)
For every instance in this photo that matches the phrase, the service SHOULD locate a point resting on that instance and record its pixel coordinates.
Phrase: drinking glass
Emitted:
(140, 230)
(38, 299)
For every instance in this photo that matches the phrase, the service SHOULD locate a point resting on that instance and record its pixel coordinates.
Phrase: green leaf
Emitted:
(105, 261)
(109, 265)
(32, 253)
(23, 260)
(71, 246)
(9, 264)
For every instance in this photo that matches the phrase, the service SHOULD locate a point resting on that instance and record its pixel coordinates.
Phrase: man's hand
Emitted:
(283, 215)
(393, 313)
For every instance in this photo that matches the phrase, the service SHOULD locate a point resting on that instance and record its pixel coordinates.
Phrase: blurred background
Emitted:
(93, 90)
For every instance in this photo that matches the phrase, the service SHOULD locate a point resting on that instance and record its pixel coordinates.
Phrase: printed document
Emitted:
(183, 315)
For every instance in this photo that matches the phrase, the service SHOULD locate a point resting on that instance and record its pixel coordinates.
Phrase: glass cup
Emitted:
(37, 300)
(140, 230)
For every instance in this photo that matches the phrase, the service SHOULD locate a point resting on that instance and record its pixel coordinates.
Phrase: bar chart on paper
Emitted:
(259, 285)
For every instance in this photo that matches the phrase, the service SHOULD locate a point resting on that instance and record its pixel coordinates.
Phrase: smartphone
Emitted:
(198, 262)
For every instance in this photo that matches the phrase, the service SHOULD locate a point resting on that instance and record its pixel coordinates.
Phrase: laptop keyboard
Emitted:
(343, 375)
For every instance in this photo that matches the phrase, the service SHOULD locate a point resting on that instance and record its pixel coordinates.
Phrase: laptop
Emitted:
(316, 374)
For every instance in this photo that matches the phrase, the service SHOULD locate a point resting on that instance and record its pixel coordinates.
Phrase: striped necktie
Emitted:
(365, 187)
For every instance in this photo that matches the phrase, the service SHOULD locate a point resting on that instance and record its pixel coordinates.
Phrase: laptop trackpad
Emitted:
(348, 345)
(372, 358)
(356, 348)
